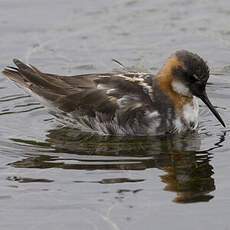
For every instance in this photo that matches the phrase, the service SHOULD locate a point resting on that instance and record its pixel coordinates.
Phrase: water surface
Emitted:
(53, 177)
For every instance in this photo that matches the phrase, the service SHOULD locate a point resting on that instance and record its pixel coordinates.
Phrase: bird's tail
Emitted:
(33, 80)
(25, 75)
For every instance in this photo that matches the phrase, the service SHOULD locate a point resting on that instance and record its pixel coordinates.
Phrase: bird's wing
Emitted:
(125, 93)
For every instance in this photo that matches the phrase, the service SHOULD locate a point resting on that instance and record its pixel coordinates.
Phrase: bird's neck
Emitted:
(175, 91)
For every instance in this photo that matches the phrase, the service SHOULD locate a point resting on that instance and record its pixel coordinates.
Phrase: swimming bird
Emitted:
(126, 102)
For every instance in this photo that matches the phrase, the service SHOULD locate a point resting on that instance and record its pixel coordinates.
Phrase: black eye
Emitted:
(194, 78)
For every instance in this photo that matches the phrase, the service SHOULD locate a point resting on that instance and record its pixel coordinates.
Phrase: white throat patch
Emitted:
(180, 88)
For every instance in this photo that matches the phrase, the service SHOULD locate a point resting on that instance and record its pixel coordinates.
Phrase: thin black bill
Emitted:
(205, 99)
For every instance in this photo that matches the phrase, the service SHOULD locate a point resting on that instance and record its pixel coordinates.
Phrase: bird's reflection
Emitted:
(187, 170)
(190, 176)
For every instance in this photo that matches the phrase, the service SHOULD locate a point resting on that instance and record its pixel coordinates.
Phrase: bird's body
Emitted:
(125, 103)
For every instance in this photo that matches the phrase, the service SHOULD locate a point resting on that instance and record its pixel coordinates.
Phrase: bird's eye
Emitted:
(194, 78)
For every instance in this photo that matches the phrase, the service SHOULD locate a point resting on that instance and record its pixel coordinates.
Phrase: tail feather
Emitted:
(30, 74)
(13, 74)
(21, 66)
(30, 77)
(33, 81)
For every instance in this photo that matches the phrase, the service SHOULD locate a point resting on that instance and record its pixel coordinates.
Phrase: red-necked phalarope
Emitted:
(126, 103)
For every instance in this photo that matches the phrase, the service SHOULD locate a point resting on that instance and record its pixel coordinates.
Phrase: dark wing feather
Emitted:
(88, 94)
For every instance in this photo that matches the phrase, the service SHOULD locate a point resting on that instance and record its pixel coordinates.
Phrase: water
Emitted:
(57, 178)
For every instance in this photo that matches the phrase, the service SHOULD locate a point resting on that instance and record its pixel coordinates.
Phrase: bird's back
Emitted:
(109, 103)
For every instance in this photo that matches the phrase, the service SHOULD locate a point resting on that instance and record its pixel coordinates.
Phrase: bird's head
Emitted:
(187, 73)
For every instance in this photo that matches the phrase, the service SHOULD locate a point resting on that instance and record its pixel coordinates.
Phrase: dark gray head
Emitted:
(193, 71)
(190, 76)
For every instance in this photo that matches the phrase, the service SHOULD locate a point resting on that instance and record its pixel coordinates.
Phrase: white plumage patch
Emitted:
(191, 112)
(126, 99)
(189, 117)
(140, 80)
(111, 91)
(152, 115)
(181, 88)
(102, 86)
(178, 125)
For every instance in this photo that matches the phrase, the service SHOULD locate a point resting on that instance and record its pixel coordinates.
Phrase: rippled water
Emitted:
(57, 178)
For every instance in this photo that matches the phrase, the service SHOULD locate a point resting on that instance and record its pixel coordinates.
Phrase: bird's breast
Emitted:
(187, 118)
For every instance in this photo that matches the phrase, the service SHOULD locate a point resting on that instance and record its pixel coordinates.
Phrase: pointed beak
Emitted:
(205, 99)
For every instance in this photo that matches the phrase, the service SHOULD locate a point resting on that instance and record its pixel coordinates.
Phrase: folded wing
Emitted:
(122, 96)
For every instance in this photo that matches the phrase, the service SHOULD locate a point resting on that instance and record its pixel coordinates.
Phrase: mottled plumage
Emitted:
(126, 103)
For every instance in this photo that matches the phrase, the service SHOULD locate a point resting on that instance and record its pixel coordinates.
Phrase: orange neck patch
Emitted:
(165, 78)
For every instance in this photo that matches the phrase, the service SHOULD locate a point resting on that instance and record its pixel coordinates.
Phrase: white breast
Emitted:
(188, 119)
(191, 112)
